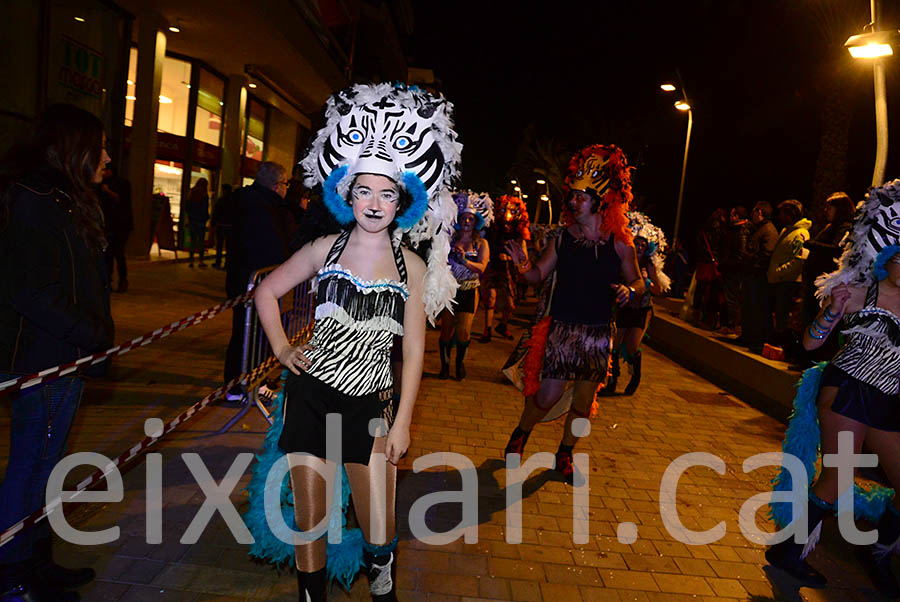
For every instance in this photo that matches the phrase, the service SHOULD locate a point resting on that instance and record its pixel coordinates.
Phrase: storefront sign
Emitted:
(80, 68)
(170, 147)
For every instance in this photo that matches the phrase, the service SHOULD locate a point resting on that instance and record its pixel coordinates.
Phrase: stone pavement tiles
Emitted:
(632, 442)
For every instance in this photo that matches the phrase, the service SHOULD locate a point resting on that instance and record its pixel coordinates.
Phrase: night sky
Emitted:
(576, 73)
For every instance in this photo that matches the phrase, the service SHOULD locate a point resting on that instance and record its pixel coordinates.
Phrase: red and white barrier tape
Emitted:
(146, 442)
(49, 374)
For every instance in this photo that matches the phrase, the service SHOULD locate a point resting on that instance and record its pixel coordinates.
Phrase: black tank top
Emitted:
(583, 277)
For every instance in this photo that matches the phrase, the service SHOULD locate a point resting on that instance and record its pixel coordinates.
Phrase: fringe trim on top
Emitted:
(365, 286)
(344, 292)
(339, 314)
(802, 439)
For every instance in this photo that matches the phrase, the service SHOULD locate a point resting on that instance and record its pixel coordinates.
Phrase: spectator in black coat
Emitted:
(263, 229)
(197, 215)
(222, 221)
(54, 308)
(115, 198)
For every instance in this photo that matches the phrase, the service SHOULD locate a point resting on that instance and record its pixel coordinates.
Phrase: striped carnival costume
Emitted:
(584, 260)
(384, 161)
(857, 392)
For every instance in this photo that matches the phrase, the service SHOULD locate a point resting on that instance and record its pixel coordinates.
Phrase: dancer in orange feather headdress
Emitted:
(586, 259)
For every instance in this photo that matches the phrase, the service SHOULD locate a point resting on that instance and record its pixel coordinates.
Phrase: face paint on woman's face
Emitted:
(374, 200)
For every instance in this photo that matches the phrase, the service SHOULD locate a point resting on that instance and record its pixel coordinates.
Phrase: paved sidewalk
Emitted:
(633, 441)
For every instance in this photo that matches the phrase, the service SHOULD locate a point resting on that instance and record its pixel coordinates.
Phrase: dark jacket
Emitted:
(823, 250)
(261, 236)
(760, 246)
(198, 208)
(734, 247)
(54, 293)
(117, 213)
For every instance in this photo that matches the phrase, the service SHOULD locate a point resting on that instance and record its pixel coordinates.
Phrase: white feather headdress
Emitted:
(640, 226)
(406, 134)
(875, 227)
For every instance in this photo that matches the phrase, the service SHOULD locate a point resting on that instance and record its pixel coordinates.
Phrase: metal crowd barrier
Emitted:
(297, 310)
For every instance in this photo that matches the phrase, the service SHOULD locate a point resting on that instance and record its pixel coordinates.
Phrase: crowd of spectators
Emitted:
(755, 271)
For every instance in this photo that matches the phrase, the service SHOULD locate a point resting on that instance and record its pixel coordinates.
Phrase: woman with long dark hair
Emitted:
(55, 309)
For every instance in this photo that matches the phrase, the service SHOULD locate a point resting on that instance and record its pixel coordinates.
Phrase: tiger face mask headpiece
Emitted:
(603, 172)
(875, 234)
(403, 133)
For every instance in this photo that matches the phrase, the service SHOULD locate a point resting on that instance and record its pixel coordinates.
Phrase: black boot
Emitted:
(879, 554)
(461, 349)
(613, 379)
(635, 374)
(446, 348)
(18, 583)
(789, 556)
(53, 576)
(312, 584)
(517, 441)
(381, 578)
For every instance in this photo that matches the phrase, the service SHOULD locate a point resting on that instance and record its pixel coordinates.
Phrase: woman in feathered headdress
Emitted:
(633, 318)
(498, 283)
(587, 258)
(384, 161)
(469, 253)
(855, 393)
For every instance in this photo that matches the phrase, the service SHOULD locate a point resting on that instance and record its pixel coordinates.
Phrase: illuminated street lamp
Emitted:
(876, 45)
(684, 106)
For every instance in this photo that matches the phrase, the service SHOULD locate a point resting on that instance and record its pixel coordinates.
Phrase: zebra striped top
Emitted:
(355, 324)
(872, 351)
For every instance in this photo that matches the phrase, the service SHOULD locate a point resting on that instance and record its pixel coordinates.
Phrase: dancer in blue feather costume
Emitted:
(856, 392)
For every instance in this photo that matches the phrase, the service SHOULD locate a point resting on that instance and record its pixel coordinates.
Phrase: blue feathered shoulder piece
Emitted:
(803, 440)
(344, 559)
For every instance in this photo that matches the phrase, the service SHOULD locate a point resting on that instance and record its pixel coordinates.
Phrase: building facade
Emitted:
(191, 89)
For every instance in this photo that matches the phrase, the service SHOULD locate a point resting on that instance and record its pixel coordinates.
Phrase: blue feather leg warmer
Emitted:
(803, 440)
(344, 559)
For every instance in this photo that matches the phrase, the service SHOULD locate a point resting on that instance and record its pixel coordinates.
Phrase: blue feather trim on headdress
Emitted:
(803, 439)
(416, 188)
(338, 205)
(883, 257)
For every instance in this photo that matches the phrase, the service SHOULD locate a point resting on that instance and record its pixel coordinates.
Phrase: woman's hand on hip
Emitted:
(294, 358)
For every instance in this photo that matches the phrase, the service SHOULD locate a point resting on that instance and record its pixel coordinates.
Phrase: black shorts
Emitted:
(308, 400)
(632, 317)
(862, 402)
(465, 301)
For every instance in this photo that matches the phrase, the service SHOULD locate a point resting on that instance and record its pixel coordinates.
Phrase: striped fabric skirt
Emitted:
(578, 351)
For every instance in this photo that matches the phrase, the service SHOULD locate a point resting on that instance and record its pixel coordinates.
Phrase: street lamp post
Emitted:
(681, 105)
(875, 45)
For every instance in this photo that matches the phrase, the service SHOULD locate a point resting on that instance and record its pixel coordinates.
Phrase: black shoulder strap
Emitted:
(398, 259)
(338, 247)
(872, 295)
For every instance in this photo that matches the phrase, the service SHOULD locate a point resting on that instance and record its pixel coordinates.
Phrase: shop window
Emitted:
(174, 95)
(167, 180)
(256, 131)
(210, 105)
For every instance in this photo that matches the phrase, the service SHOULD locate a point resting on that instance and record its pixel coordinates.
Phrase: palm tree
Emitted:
(836, 82)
